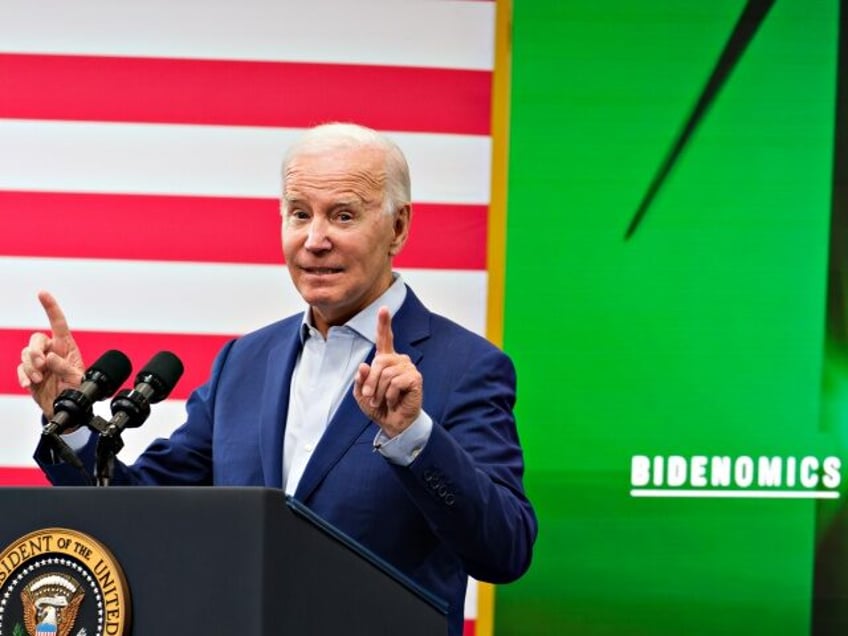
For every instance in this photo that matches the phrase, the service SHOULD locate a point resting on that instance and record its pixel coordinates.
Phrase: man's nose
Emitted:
(317, 235)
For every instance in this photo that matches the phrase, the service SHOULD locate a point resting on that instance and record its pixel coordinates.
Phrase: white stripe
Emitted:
(164, 297)
(735, 494)
(164, 418)
(20, 426)
(385, 32)
(209, 160)
(470, 611)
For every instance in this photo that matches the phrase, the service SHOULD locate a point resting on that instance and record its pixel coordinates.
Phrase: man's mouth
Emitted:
(322, 271)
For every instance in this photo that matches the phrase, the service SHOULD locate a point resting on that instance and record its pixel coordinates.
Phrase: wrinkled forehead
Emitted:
(359, 171)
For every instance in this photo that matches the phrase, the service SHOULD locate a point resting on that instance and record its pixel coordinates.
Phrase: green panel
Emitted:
(702, 334)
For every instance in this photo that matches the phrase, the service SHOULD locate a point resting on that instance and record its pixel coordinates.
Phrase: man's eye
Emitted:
(345, 216)
(299, 214)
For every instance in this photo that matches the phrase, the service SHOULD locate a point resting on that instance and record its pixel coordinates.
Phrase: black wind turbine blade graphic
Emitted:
(837, 285)
(746, 27)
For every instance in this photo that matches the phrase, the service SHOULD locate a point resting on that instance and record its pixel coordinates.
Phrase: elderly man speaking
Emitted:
(392, 423)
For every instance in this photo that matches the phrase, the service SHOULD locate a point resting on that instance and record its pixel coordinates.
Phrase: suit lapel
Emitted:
(347, 424)
(409, 325)
(275, 405)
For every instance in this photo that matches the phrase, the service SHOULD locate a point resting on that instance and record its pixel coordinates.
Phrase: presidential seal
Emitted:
(60, 582)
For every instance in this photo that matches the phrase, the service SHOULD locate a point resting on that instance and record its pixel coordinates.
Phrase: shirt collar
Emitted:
(365, 322)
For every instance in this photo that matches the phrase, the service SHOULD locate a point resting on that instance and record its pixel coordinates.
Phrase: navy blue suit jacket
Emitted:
(458, 509)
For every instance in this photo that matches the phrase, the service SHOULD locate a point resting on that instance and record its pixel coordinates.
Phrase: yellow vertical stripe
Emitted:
(496, 237)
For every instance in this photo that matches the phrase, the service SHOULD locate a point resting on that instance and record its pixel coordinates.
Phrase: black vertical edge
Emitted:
(837, 283)
(830, 579)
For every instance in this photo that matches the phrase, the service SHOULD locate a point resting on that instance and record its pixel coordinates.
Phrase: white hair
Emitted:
(334, 136)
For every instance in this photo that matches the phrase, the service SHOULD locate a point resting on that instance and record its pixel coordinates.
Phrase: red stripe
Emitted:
(22, 477)
(468, 628)
(223, 230)
(295, 95)
(196, 352)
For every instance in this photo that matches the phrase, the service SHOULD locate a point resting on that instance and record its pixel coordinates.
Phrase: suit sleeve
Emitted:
(467, 481)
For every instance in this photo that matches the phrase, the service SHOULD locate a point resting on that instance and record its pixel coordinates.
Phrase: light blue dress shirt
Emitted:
(323, 376)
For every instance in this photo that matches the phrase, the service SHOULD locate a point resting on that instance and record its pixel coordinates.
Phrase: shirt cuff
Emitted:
(402, 449)
(78, 439)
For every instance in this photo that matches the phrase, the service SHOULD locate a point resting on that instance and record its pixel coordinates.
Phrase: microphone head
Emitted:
(161, 373)
(109, 372)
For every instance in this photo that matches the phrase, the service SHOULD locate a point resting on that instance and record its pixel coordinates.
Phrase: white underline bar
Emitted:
(735, 494)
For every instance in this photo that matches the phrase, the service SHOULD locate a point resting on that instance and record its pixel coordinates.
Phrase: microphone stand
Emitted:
(108, 445)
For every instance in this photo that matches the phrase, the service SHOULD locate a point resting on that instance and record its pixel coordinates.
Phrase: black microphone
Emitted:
(130, 408)
(73, 407)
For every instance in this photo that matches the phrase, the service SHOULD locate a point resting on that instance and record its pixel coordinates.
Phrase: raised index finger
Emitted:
(58, 323)
(385, 338)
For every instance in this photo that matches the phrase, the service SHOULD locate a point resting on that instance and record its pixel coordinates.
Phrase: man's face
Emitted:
(337, 239)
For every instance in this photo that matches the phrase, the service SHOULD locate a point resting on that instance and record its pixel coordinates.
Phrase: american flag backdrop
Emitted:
(140, 147)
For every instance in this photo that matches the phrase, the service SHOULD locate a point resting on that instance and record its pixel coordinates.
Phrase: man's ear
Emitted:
(401, 222)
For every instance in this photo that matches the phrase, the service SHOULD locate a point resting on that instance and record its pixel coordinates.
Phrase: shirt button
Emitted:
(308, 447)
